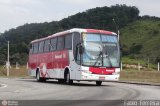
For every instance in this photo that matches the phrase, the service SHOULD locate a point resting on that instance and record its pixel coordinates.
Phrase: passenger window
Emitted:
(31, 49)
(68, 41)
(35, 50)
(53, 44)
(41, 46)
(47, 45)
(60, 43)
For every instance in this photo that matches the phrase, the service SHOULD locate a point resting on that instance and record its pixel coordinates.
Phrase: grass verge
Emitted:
(125, 75)
(140, 76)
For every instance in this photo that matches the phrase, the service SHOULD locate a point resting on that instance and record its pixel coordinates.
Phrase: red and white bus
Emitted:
(76, 55)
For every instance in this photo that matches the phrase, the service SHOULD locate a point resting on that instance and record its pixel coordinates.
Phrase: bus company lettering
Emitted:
(60, 56)
(64, 55)
(109, 70)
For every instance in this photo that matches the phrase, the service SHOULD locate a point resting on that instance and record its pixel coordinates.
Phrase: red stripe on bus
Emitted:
(99, 31)
(103, 71)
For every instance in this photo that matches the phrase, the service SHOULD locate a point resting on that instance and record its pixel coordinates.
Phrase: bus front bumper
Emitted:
(97, 77)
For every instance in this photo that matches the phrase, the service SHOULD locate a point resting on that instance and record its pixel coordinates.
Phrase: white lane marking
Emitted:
(3, 85)
(19, 91)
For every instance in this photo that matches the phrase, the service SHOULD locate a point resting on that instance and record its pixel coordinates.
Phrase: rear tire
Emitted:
(39, 79)
(98, 83)
(68, 80)
(61, 80)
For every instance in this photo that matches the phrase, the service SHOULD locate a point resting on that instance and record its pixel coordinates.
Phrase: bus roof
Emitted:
(76, 30)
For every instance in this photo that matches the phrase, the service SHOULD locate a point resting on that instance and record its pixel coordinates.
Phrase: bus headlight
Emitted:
(117, 71)
(87, 71)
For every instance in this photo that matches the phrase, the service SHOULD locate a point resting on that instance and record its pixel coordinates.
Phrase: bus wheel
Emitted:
(61, 80)
(39, 79)
(98, 83)
(68, 80)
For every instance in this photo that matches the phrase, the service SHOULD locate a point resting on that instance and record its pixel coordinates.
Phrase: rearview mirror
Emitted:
(80, 48)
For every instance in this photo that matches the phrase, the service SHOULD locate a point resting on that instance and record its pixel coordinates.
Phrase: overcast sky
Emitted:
(14, 13)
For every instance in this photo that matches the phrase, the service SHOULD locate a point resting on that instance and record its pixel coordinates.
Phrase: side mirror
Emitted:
(80, 48)
(121, 48)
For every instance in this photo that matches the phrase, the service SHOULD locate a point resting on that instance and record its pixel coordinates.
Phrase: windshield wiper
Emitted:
(108, 58)
(101, 53)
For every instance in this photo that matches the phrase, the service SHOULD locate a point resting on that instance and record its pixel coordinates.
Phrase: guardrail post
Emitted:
(121, 66)
(139, 67)
(27, 65)
(8, 62)
(158, 66)
(17, 65)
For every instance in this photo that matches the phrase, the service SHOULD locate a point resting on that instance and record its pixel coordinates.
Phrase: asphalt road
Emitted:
(80, 93)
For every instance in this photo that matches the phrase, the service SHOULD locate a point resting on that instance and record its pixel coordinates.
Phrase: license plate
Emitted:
(101, 78)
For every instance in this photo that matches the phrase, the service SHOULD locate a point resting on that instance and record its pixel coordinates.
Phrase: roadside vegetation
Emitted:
(140, 41)
(139, 70)
(139, 64)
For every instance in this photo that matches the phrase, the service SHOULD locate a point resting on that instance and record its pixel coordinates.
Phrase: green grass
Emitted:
(144, 63)
(141, 39)
(145, 74)
(127, 60)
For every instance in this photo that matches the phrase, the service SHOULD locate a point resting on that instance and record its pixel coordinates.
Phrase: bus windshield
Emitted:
(100, 50)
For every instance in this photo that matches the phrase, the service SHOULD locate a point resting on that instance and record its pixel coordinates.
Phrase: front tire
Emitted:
(61, 81)
(39, 79)
(98, 83)
(68, 80)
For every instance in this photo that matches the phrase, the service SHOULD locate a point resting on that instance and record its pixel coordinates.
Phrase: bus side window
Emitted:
(76, 41)
(68, 41)
(31, 49)
(53, 45)
(47, 45)
(41, 46)
(60, 43)
(35, 50)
